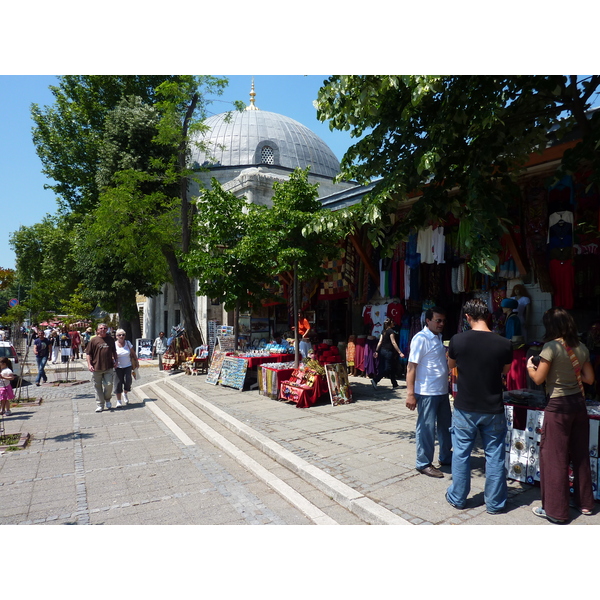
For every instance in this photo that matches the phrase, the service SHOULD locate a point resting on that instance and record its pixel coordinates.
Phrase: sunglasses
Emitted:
(120, 335)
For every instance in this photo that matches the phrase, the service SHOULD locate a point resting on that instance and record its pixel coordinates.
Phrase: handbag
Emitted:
(575, 363)
(135, 364)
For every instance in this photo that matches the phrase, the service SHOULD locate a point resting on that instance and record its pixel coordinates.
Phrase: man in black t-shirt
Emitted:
(481, 357)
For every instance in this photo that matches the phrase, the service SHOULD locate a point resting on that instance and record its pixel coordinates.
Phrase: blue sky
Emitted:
(24, 200)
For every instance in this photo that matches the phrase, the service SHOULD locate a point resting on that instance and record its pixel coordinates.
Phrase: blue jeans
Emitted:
(492, 428)
(41, 364)
(432, 409)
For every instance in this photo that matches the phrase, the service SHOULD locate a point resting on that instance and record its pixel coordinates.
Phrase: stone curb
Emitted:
(20, 444)
(316, 515)
(343, 494)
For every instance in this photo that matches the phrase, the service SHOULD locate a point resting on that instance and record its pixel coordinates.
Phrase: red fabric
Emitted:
(282, 374)
(516, 378)
(562, 275)
(307, 397)
(395, 312)
(359, 354)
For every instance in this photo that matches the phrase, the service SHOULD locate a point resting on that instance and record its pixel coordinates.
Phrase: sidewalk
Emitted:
(80, 466)
(369, 445)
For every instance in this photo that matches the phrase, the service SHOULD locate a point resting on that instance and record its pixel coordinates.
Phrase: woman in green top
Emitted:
(564, 365)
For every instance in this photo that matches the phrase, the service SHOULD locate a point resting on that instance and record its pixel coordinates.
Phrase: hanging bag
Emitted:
(575, 363)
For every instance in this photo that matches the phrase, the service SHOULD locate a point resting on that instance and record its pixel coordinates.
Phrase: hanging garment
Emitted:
(562, 275)
(371, 362)
(359, 354)
(438, 245)
(425, 245)
(516, 378)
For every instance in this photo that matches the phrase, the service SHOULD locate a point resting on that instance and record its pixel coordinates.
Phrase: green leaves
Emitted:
(425, 136)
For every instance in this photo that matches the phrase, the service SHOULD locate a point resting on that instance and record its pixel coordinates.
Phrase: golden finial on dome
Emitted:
(251, 106)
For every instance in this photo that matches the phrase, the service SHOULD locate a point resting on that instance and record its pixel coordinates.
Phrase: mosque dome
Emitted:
(254, 137)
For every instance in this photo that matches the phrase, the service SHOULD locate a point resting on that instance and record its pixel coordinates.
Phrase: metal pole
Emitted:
(295, 303)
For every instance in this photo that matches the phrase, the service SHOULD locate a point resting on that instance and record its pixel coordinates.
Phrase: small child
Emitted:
(6, 391)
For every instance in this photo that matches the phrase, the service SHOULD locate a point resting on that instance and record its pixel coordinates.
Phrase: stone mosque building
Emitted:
(247, 152)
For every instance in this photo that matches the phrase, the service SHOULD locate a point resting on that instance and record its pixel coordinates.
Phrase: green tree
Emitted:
(79, 306)
(92, 163)
(45, 263)
(280, 238)
(67, 133)
(457, 143)
(216, 258)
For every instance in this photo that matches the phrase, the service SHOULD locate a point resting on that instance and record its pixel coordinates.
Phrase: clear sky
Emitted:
(24, 200)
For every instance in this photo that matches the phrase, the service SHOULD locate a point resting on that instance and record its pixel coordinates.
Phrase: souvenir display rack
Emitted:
(524, 411)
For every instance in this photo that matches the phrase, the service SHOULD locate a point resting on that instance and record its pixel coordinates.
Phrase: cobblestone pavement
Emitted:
(126, 466)
(370, 446)
(122, 466)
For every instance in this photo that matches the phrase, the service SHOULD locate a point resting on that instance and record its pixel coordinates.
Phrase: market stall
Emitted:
(524, 411)
(304, 387)
(270, 377)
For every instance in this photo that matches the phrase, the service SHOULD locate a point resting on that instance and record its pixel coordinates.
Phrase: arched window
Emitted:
(267, 156)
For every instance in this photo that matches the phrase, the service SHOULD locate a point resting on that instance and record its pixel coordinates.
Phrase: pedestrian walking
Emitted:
(75, 343)
(565, 366)
(85, 339)
(6, 391)
(65, 346)
(427, 391)
(102, 360)
(387, 351)
(159, 348)
(481, 357)
(55, 346)
(125, 358)
(42, 347)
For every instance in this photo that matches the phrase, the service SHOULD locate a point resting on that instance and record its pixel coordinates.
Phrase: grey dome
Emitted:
(255, 137)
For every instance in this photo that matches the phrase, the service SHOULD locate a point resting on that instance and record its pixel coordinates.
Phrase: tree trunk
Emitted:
(236, 324)
(186, 300)
(129, 319)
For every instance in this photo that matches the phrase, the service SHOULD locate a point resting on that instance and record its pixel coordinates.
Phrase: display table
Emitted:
(524, 411)
(302, 395)
(255, 361)
(269, 380)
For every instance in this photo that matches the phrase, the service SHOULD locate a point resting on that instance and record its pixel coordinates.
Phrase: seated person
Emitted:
(280, 342)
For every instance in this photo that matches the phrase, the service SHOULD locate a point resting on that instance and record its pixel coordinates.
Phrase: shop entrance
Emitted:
(333, 320)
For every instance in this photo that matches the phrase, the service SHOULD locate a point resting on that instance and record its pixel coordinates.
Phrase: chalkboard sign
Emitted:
(226, 342)
(233, 372)
(143, 348)
(215, 367)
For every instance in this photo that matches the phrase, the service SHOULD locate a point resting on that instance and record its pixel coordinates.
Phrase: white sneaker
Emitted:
(118, 404)
(108, 405)
(99, 409)
(125, 399)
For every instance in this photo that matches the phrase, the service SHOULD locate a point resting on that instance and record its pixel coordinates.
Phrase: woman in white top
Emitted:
(125, 353)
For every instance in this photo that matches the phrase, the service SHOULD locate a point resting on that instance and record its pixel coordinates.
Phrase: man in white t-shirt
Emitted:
(427, 390)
